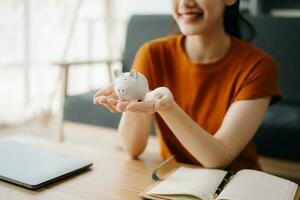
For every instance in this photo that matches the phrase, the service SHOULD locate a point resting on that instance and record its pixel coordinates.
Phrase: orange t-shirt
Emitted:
(205, 91)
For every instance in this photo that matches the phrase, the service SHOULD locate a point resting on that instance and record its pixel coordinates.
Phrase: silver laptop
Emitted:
(32, 167)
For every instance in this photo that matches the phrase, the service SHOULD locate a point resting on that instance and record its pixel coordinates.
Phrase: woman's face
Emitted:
(199, 16)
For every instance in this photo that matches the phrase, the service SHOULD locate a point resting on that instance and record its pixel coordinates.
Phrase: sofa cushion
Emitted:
(279, 37)
(279, 134)
(80, 108)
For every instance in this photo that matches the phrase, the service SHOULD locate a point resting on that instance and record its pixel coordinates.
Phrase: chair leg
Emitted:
(62, 96)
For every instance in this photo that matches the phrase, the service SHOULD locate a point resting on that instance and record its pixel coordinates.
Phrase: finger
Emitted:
(111, 108)
(159, 95)
(100, 100)
(162, 103)
(112, 102)
(107, 90)
(96, 101)
(122, 106)
(103, 92)
(103, 101)
(141, 107)
(152, 96)
(158, 105)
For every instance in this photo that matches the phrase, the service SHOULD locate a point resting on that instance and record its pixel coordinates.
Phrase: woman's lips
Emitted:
(190, 17)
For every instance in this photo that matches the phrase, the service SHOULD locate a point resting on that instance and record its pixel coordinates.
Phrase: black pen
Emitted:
(225, 180)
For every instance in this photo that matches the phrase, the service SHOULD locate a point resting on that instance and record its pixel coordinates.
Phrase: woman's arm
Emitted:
(134, 129)
(217, 151)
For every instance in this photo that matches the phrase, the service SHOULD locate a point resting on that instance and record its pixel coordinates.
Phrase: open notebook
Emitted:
(209, 184)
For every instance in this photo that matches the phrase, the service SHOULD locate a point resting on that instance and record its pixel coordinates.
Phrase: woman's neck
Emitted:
(207, 48)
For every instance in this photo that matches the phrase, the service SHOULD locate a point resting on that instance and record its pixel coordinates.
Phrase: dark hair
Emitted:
(233, 21)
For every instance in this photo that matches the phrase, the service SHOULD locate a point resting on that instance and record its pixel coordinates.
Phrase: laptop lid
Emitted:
(32, 167)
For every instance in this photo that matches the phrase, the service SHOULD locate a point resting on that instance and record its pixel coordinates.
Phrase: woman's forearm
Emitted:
(134, 129)
(207, 149)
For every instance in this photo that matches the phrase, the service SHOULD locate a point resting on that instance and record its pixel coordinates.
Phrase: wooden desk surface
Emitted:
(113, 175)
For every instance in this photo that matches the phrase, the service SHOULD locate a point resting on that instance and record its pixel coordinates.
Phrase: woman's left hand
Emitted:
(155, 100)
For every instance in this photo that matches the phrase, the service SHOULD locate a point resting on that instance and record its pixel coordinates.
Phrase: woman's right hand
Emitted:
(107, 97)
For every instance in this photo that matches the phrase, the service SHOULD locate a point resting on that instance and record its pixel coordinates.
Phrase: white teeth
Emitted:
(191, 16)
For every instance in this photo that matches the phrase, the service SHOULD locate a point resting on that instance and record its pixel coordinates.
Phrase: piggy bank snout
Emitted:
(121, 90)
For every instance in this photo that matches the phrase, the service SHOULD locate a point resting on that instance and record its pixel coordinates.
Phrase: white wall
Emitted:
(128, 7)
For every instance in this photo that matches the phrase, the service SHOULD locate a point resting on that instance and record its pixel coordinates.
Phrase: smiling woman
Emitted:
(207, 83)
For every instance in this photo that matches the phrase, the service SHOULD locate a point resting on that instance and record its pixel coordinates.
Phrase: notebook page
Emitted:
(251, 184)
(201, 183)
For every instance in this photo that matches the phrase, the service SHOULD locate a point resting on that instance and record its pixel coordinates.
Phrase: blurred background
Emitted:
(36, 33)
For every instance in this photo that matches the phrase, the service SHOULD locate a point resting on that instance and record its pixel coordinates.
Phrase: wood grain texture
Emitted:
(113, 176)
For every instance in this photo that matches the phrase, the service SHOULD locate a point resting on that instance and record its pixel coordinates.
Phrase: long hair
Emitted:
(233, 21)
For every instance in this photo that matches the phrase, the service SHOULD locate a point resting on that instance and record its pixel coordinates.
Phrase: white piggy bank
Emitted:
(130, 86)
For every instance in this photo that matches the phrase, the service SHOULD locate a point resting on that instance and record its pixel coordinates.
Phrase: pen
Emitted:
(225, 180)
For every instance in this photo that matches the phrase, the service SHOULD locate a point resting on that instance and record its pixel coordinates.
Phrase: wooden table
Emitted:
(113, 176)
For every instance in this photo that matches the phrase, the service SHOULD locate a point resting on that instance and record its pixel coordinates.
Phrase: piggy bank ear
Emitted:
(133, 74)
(117, 73)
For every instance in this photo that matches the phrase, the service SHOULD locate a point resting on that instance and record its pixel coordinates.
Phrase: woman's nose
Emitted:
(188, 3)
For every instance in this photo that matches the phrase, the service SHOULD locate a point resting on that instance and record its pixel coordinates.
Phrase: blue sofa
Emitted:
(279, 134)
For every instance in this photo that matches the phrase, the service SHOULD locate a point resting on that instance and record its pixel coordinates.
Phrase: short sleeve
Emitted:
(143, 64)
(260, 81)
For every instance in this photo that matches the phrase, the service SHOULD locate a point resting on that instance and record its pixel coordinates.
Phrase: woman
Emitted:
(212, 90)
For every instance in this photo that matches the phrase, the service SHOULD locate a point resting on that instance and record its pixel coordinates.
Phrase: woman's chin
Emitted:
(190, 31)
